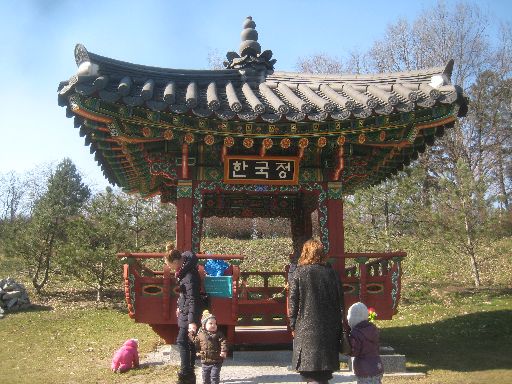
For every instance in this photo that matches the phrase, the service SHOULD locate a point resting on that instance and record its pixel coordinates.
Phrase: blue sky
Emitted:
(37, 40)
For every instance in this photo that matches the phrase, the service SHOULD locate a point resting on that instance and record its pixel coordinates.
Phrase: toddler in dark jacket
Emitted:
(364, 340)
(212, 347)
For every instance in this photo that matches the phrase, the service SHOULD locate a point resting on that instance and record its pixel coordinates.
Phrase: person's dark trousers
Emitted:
(187, 355)
(211, 373)
(316, 377)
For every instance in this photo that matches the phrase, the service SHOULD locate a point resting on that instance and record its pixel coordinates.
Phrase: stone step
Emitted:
(276, 358)
(393, 363)
(265, 366)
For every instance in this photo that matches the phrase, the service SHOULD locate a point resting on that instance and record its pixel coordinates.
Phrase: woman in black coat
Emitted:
(188, 312)
(315, 314)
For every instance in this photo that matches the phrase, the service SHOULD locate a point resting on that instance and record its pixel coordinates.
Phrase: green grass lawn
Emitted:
(71, 345)
(463, 336)
(455, 336)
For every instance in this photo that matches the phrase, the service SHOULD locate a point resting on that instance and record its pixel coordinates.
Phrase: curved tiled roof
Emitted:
(356, 129)
(232, 94)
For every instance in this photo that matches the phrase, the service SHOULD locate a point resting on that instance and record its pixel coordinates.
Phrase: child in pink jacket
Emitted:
(126, 357)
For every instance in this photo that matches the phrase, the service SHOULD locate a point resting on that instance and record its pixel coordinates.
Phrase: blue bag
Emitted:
(214, 267)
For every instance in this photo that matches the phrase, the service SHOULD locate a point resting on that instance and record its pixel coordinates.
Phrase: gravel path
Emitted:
(244, 374)
(247, 367)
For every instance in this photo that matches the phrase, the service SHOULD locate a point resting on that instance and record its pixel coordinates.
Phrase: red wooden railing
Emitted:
(157, 255)
(375, 280)
(262, 304)
(133, 267)
(258, 298)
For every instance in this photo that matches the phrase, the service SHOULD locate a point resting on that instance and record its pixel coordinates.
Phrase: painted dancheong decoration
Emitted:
(247, 141)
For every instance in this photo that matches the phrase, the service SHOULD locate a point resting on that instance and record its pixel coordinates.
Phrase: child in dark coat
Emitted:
(364, 340)
(212, 347)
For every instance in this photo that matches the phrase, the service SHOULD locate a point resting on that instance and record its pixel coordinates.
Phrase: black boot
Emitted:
(186, 378)
(192, 379)
(182, 378)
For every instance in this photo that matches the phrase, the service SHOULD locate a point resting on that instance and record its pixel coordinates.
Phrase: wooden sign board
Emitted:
(270, 170)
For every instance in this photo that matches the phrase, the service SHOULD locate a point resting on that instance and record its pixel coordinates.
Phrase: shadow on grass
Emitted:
(487, 293)
(472, 342)
(84, 298)
(31, 308)
(419, 293)
(38, 308)
(82, 295)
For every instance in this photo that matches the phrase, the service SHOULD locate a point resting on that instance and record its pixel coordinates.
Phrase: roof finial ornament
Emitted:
(249, 36)
(250, 55)
(85, 66)
(81, 54)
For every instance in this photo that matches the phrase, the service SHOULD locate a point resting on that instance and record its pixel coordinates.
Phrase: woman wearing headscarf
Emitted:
(315, 315)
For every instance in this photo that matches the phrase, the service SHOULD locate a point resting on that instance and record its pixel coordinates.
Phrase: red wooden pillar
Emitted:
(184, 219)
(308, 225)
(166, 295)
(301, 228)
(335, 226)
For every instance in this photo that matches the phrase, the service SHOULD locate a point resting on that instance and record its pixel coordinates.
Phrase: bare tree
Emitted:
(320, 63)
(502, 145)
(12, 191)
(358, 62)
(215, 60)
(437, 36)
(474, 156)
